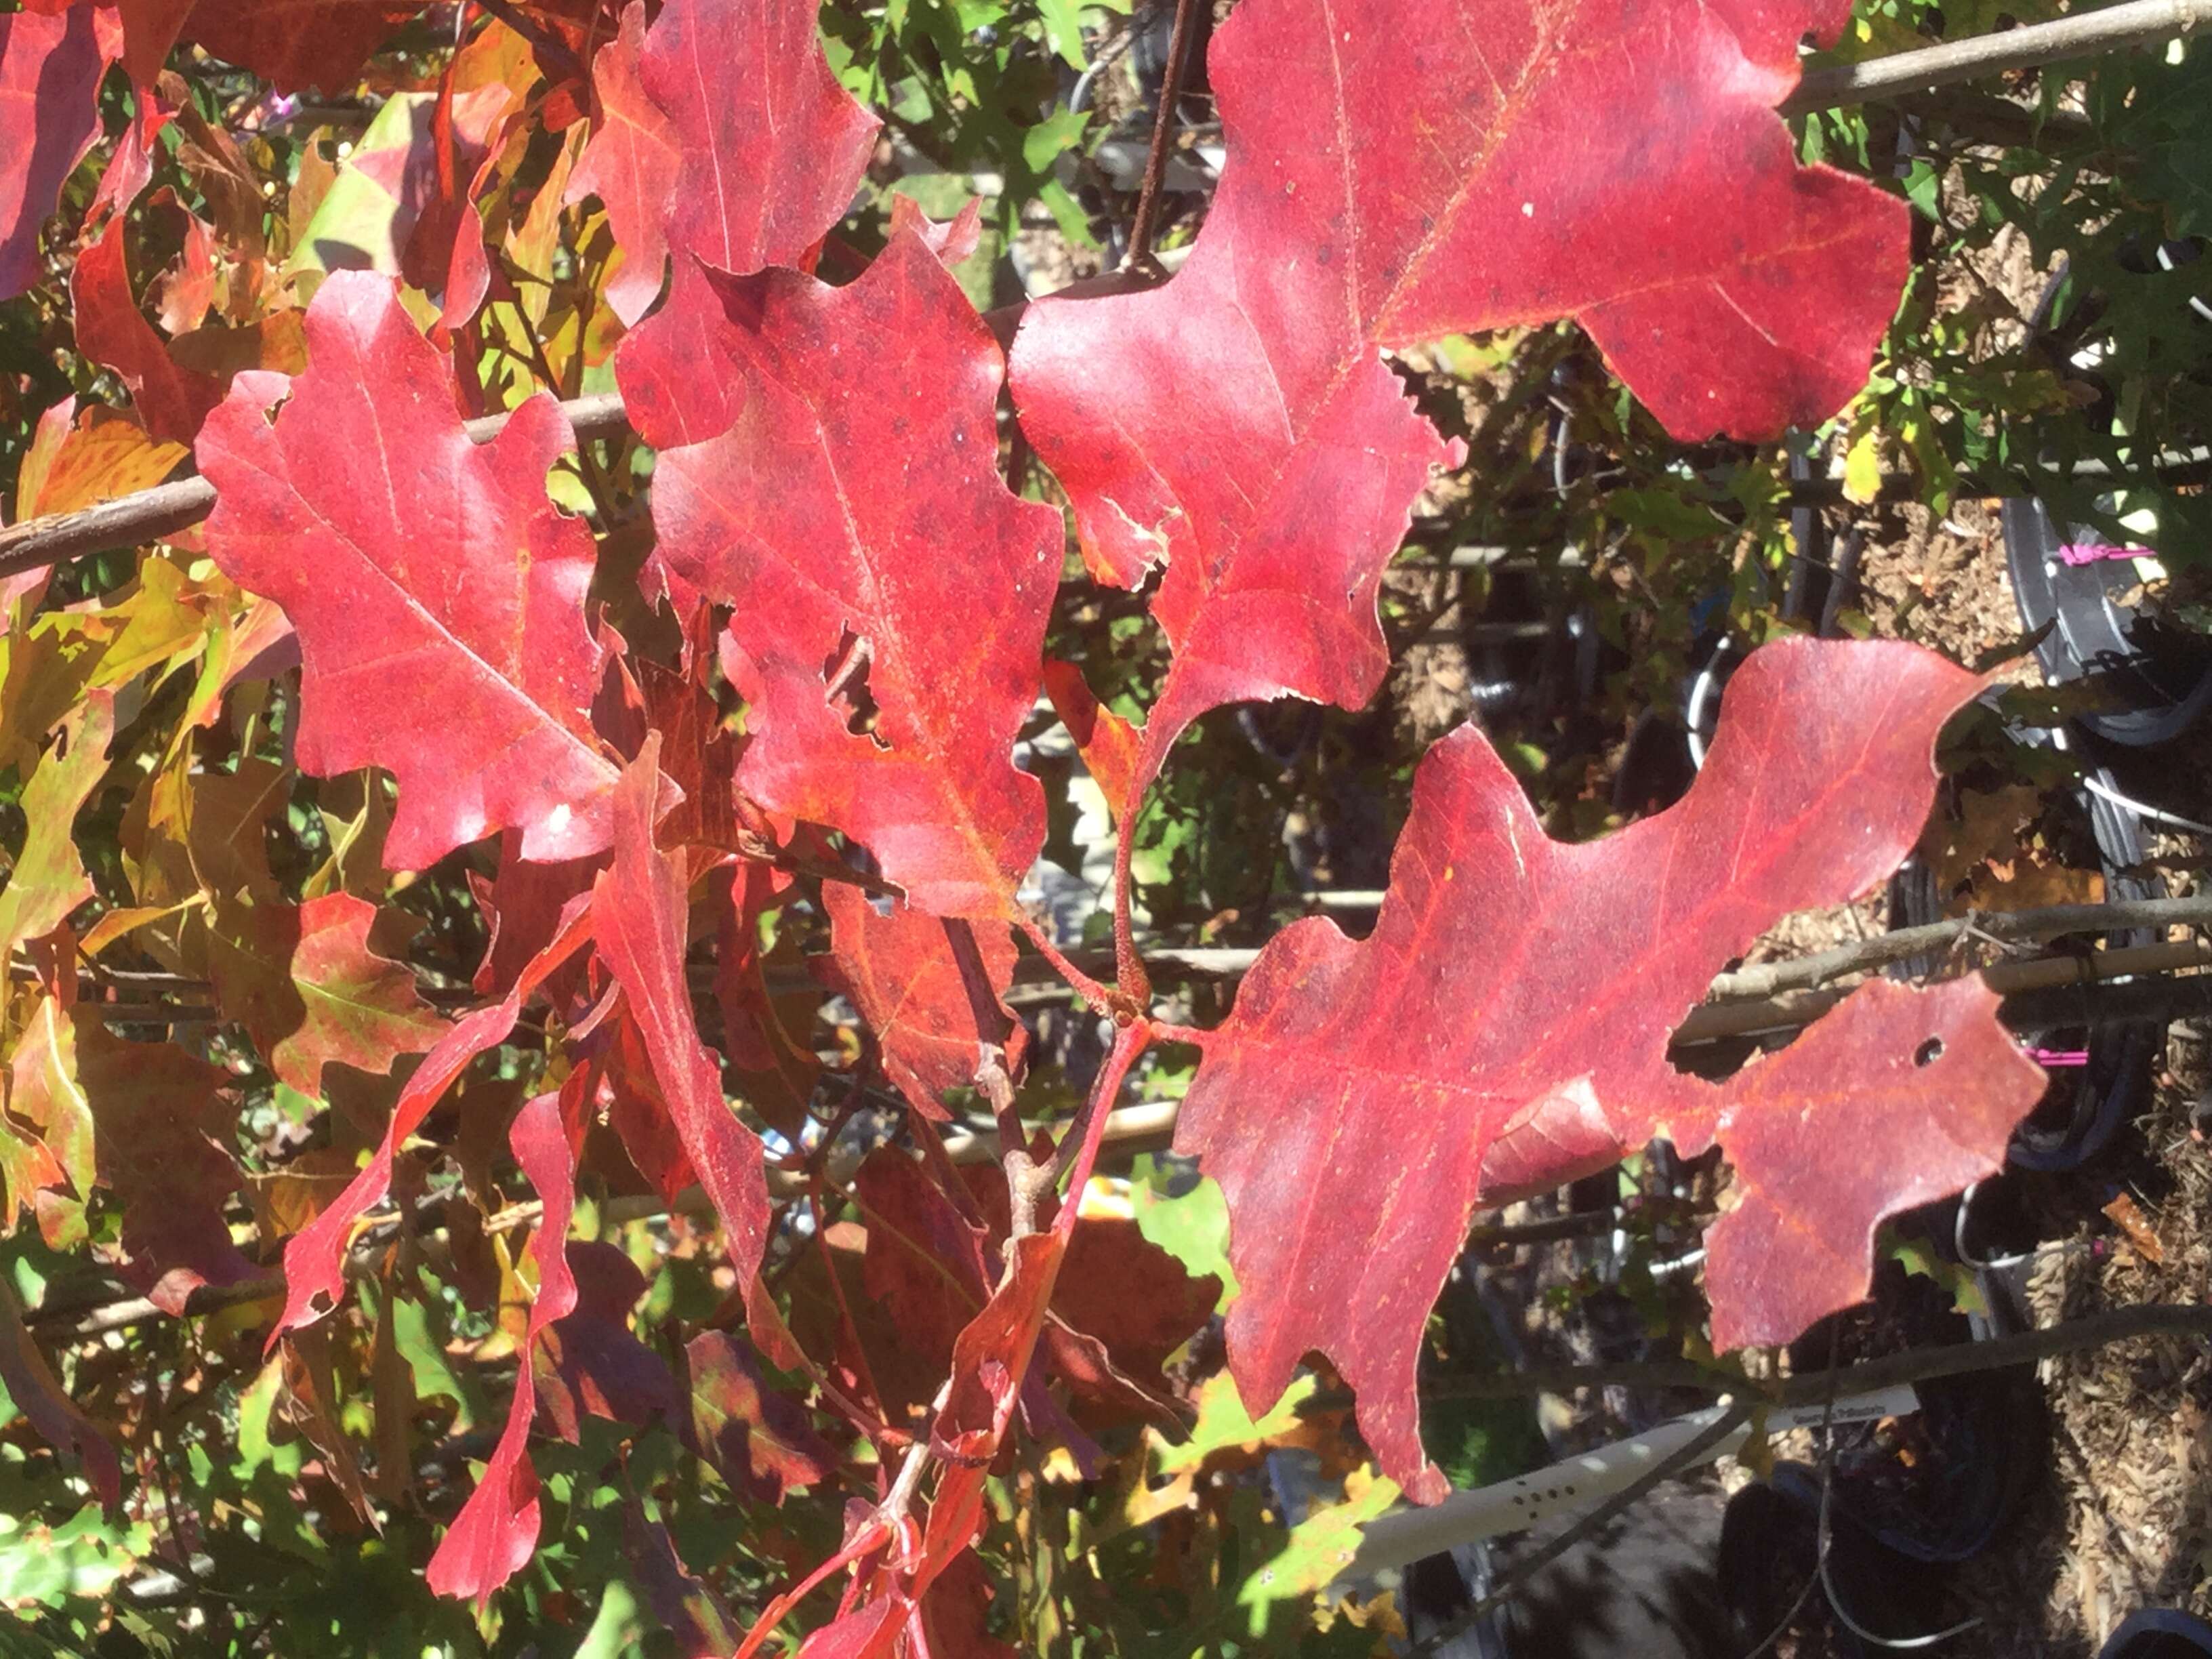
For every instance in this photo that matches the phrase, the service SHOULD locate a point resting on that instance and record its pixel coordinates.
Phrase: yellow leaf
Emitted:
(1862, 469)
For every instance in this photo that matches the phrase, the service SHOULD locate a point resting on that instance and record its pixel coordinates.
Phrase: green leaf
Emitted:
(1319, 1548)
(425, 1355)
(84, 1556)
(622, 1625)
(1063, 29)
(1193, 1228)
(1224, 1422)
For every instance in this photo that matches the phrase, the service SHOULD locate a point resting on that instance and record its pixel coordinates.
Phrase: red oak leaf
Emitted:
(664, 397)
(694, 1613)
(761, 1441)
(875, 1631)
(438, 594)
(184, 290)
(149, 30)
(698, 754)
(482, 100)
(631, 165)
(990, 1363)
(956, 1611)
(50, 70)
(1123, 1305)
(930, 990)
(638, 919)
(990, 1368)
(764, 1035)
(496, 1530)
(1119, 1308)
(297, 43)
(636, 1109)
(589, 1361)
(770, 147)
(926, 1266)
(522, 905)
(990, 1375)
(855, 507)
(156, 1112)
(315, 1257)
(1402, 170)
(950, 1622)
(1506, 1026)
(1934, 1081)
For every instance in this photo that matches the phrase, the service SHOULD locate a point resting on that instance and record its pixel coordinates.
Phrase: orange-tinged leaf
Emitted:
(47, 1145)
(2127, 1215)
(437, 593)
(1505, 1028)
(171, 400)
(78, 459)
(1111, 748)
(309, 987)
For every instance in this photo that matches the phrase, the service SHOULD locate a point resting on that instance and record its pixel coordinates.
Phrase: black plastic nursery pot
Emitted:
(1909, 1499)
(2159, 1633)
(2151, 681)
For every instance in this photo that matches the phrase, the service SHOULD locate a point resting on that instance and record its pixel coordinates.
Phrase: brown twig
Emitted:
(2083, 34)
(1902, 943)
(2187, 1320)
(148, 515)
(1146, 224)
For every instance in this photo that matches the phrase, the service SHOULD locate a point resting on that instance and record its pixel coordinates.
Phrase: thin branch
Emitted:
(1902, 943)
(2184, 1319)
(148, 515)
(1869, 1376)
(1712, 1021)
(1149, 196)
(2110, 28)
